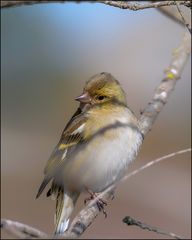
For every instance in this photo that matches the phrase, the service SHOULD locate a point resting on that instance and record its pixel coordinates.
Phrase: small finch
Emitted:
(95, 147)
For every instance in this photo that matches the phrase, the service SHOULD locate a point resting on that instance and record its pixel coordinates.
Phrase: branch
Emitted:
(171, 13)
(119, 4)
(182, 17)
(130, 222)
(21, 230)
(139, 6)
(149, 164)
(176, 15)
(6, 4)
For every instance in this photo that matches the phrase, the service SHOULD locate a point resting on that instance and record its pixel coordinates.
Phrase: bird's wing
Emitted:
(72, 135)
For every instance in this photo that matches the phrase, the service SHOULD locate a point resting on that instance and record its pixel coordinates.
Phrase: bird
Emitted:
(95, 147)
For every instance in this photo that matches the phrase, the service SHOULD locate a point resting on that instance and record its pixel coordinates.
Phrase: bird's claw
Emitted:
(99, 202)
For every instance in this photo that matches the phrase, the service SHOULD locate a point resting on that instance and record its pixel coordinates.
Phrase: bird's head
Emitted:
(102, 88)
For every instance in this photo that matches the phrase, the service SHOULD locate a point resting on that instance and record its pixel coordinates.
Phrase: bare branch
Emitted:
(140, 6)
(120, 4)
(5, 4)
(131, 222)
(171, 13)
(21, 230)
(182, 17)
(149, 164)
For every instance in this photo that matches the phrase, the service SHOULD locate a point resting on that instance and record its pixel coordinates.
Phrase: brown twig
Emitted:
(182, 17)
(132, 222)
(171, 13)
(21, 230)
(6, 4)
(140, 6)
(120, 4)
(149, 164)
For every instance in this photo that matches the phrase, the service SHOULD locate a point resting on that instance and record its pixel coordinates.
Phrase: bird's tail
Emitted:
(64, 206)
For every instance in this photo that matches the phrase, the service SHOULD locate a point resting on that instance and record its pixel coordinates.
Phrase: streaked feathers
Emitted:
(70, 137)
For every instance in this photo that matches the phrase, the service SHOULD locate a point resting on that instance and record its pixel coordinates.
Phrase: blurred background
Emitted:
(48, 51)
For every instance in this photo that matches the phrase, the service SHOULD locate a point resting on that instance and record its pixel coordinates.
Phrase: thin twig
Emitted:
(131, 221)
(154, 162)
(182, 17)
(111, 187)
(7, 4)
(140, 6)
(120, 4)
(171, 13)
(21, 230)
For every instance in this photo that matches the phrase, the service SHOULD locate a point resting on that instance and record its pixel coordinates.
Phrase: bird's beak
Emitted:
(84, 98)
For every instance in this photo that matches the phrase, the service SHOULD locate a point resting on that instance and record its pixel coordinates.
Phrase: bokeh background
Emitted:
(48, 51)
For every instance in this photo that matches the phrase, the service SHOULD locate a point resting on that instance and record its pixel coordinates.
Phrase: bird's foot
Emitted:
(99, 202)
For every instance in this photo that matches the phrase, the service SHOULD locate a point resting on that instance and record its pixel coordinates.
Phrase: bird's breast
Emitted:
(104, 158)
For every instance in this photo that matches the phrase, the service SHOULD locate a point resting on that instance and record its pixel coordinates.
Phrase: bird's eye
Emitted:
(100, 98)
